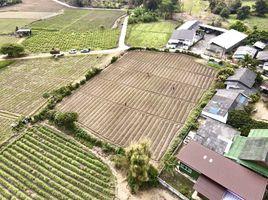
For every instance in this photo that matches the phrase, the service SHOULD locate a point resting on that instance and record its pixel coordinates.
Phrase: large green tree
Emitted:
(261, 7)
(136, 162)
(12, 50)
(243, 12)
(167, 8)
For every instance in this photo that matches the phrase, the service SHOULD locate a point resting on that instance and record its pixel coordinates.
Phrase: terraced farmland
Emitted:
(43, 165)
(143, 95)
(22, 84)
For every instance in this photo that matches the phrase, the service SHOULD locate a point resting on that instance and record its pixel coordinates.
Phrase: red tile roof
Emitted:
(232, 176)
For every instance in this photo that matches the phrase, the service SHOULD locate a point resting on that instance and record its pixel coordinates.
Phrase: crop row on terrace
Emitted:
(23, 83)
(44, 165)
(44, 41)
(142, 95)
(5, 129)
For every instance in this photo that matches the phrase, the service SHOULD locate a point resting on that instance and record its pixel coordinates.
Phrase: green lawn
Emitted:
(150, 34)
(9, 25)
(248, 3)
(251, 21)
(194, 6)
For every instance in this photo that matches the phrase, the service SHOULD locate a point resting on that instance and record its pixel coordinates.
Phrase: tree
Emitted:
(234, 6)
(136, 162)
(151, 4)
(249, 62)
(12, 50)
(170, 163)
(225, 13)
(243, 12)
(167, 8)
(261, 7)
(65, 119)
(239, 26)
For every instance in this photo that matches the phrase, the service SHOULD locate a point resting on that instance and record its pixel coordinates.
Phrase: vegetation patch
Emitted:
(5, 128)
(8, 25)
(44, 41)
(24, 82)
(36, 167)
(153, 35)
(5, 63)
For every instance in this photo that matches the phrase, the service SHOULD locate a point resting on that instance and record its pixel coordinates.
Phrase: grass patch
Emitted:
(5, 63)
(179, 182)
(251, 21)
(153, 35)
(8, 39)
(195, 6)
(9, 25)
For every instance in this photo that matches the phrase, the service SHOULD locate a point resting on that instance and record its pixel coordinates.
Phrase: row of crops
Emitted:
(44, 41)
(44, 165)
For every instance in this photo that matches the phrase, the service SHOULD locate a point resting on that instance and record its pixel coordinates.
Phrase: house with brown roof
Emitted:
(220, 178)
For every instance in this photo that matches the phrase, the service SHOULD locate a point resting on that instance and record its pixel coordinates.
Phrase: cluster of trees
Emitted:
(164, 8)
(224, 9)
(12, 50)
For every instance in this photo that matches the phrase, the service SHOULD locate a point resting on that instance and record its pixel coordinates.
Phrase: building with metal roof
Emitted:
(242, 79)
(223, 102)
(242, 51)
(227, 41)
(221, 178)
(212, 28)
(216, 136)
(190, 25)
(262, 56)
(259, 45)
(251, 151)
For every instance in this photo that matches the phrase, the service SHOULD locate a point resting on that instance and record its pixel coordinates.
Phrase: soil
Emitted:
(262, 112)
(34, 6)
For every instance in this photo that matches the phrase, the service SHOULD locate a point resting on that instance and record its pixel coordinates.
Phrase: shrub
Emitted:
(255, 97)
(114, 59)
(83, 81)
(12, 50)
(239, 26)
(65, 119)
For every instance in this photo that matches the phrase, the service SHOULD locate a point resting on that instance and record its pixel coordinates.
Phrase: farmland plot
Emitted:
(143, 95)
(5, 128)
(44, 165)
(22, 84)
(75, 29)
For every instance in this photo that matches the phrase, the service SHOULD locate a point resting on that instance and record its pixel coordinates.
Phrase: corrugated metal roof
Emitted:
(213, 28)
(209, 188)
(244, 76)
(228, 39)
(238, 146)
(262, 55)
(183, 35)
(245, 50)
(189, 25)
(259, 45)
(225, 172)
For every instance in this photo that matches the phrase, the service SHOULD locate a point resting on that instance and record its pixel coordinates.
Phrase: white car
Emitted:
(72, 51)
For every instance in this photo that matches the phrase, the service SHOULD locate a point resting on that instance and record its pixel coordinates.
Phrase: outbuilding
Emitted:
(242, 51)
(226, 42)
(24, 32)
(259, 45)
(262, 56)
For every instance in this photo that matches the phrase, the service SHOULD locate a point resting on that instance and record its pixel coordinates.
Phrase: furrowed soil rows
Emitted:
(44, 165)
(23, 83)
(142, 95)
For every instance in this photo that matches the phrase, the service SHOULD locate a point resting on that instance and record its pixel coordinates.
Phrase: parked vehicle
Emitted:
(58, 55)
(54, 51)
(85, 51)
(72, 51)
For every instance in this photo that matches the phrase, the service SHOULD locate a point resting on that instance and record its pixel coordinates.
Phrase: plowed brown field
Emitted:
(142, 95)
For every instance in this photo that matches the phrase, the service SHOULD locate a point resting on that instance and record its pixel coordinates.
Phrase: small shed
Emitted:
(262, 56)
(24, 32)
(242, 51)
(259, 45)
(264, 87)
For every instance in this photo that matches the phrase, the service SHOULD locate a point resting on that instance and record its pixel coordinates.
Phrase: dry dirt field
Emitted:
(34, 6)
(142, 95)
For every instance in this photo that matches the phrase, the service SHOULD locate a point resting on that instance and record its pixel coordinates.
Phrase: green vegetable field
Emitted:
(76, 29)
(44, 41)
(44, 165)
